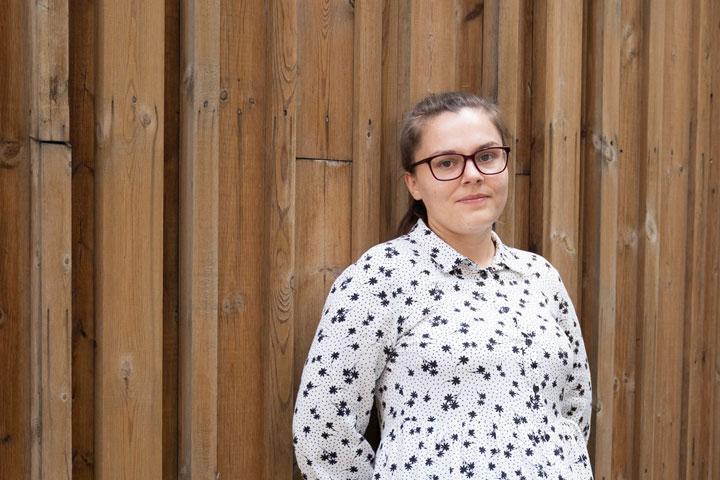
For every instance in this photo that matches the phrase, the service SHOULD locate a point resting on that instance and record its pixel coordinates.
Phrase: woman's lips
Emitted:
(478, 198)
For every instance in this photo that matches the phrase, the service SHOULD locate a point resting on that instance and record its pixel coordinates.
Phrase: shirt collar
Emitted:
(449, 260)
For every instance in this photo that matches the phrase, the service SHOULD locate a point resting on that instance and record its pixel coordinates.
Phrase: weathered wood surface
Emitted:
(198, 289)
(129, 239)
(614, 178)
(279, 267)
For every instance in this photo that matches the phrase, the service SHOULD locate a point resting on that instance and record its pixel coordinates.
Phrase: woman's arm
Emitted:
(348, 354)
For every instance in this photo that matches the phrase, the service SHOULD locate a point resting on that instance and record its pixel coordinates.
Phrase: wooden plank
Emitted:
(324, 94)
(600, 235)
(51, 405)
(171, 220)
(470, 37)
(561, 179)
(324, 223)
(629, 221)
(129, 196)
(242, 226)
(367, 126)
(698, 394)
(82, 111)
(649, 245)
(49, 37)
(199, 137)
(433, 49)
(15, 261)
(490, 69)
(279, 286)
(674, 157)
(394, 198)
(510, 98)
(537, 142)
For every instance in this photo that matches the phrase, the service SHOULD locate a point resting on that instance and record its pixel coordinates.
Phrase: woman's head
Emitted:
(461, 123)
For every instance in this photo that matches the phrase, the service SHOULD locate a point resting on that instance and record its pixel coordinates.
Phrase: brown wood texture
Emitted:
(242, 248)
(15, 252)
(171, 224)
(81, 94)
(291, 170)
(324, 85)
(51, 227)
(279, 270)
(367, 126)
(129, 240)
(51, 455)
(198, 289)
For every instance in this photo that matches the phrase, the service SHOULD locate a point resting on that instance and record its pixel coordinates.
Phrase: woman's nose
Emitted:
(471, 173)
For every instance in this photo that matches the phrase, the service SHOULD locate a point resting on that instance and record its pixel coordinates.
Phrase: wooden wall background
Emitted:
(182, 180)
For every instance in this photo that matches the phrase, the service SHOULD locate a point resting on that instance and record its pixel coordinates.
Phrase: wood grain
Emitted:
(367, 126)
(171, 220)
(15, 263)
(51, 405)
(244, 113)
(82, 112)
(199, 138)
(600, 212)
(280, 267)
(129, 239)
(325, 84)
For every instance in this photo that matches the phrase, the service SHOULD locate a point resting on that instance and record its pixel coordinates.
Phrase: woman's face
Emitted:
(469, 205)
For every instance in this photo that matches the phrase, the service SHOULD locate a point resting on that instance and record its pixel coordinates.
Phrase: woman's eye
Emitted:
(445, 162)
(486, 157)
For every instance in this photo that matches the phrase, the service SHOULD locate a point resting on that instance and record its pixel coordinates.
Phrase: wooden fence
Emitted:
(208, 167)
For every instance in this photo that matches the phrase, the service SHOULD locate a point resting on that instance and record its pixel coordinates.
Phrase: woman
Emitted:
(470, 349)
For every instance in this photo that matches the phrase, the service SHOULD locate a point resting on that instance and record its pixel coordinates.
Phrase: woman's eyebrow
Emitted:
(481, 147)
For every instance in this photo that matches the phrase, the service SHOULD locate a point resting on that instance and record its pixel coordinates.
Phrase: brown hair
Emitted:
(410, 136)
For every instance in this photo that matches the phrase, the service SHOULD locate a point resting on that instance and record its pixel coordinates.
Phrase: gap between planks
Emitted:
(327, 160)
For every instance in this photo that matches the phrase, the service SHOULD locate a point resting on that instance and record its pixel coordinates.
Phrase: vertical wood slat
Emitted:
(395, 100)
(367, 126)
(510, 96)
(601, 217)
(674, 153)
(561, 156)
(15, 262)
(697, 419)
(49, 32)
(171, 254)
(629, 225)
(649, 252)
(129, 199)
(82, 35)
(325, 103)
(242, 253)
(280, 277)
(51, 322)
(199, 156)
(51, 406)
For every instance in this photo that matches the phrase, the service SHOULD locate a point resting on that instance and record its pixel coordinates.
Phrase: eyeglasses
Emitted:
(451, 166)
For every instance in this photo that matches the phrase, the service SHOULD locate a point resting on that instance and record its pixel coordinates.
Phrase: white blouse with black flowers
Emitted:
(476, 372)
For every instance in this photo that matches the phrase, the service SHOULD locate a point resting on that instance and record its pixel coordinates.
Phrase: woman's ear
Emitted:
(411, 184)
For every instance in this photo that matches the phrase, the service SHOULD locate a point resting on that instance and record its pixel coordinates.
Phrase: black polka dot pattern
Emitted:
(476, 372)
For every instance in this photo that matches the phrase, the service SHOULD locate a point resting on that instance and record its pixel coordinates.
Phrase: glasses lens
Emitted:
(491, 160)
(447, 167)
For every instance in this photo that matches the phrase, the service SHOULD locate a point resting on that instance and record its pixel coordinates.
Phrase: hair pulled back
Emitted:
(411, 136)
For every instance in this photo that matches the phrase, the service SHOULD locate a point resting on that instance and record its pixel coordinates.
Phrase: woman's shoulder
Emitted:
(386, 261)
(532, 265)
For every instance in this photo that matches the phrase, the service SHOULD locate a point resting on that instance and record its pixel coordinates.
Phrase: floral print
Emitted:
(475, 372)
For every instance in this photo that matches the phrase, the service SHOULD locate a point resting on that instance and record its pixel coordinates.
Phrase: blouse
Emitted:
(475, 372)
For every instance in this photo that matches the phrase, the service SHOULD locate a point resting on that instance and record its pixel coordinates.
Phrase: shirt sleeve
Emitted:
(577, 403)
(353, 343)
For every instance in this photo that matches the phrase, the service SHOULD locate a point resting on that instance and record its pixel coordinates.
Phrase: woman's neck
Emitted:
(479, 247)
